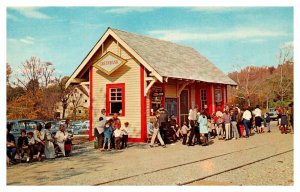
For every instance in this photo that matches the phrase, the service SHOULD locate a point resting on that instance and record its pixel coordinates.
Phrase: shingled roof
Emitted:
(173, 60)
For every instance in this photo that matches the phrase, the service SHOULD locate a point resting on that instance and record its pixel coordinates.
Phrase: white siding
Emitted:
(129, 74)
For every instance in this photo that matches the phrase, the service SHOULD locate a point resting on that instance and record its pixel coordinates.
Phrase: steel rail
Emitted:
(234, 168)
(174, 166)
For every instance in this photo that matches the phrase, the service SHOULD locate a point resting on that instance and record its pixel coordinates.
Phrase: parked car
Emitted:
(76, 128)
(84, 129)
(87, 122)
(27, 124)
(272, 114)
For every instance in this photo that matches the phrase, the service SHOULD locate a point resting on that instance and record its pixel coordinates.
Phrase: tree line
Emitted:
(265, 86)
(37, 91)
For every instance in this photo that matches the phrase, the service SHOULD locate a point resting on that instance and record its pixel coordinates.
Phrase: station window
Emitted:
(116, 99)
(203, 98)
(156, 99)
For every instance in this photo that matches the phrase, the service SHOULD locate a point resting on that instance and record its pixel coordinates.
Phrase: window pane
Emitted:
(119, 94)
(113, 94)
(113, 98)
(115, 107)
(112, 90)
(119, 90)
(31, 125)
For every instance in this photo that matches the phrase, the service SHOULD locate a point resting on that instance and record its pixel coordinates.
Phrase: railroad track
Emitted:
(234, 168)
(200, 160)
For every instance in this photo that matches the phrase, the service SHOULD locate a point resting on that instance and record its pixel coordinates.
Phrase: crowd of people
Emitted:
(110, 134)
(40, 141)
(231, 123)
(199, 129)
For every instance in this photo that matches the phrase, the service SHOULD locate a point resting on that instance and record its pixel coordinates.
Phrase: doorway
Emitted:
(184, 106)
(171, 106)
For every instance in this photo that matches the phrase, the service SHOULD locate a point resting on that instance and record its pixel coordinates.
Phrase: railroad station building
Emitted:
(134, 75)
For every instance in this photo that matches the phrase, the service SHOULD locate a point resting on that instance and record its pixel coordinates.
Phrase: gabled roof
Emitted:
(174, 60)
(163, 58)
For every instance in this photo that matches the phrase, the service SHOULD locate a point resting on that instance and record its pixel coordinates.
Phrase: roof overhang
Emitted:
(234, 84)
(109, 32)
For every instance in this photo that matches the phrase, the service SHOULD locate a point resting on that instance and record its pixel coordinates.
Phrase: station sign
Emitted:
(109, 63)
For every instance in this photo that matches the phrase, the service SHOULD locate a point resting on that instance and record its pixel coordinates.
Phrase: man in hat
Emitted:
(156, 132)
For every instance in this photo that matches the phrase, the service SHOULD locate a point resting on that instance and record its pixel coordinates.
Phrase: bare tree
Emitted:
(34, 72)
(47, 73)
(285, 60)
(76, 99)
(64, 93)
(246, 87)
(267, 91)
(8, 74)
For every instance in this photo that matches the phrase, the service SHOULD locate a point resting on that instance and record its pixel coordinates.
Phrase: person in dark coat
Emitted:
(163, 125)
(174, 130)
(11, 149)
(206, 111)
(192, 133)
(268, 121)
(284, 123)
(23, 145)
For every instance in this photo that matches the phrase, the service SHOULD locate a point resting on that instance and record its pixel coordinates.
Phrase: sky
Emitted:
(227, 36)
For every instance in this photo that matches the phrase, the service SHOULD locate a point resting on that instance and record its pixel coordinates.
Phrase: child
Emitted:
(117, 134)
(107, 134)
(268, 120)
(68, 142)
(30, 145)
(174, 127)
(184, 131)
(23, 145)
(210, 128)
(125, 132)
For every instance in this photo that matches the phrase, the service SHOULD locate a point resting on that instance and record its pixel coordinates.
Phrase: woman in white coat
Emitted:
(60, 138)
(49, 146)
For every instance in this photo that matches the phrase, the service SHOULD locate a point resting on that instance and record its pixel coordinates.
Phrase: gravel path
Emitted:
(176, 164)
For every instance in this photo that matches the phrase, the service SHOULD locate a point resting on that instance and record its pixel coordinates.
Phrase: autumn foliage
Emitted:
(36, 91)
(264, 86)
